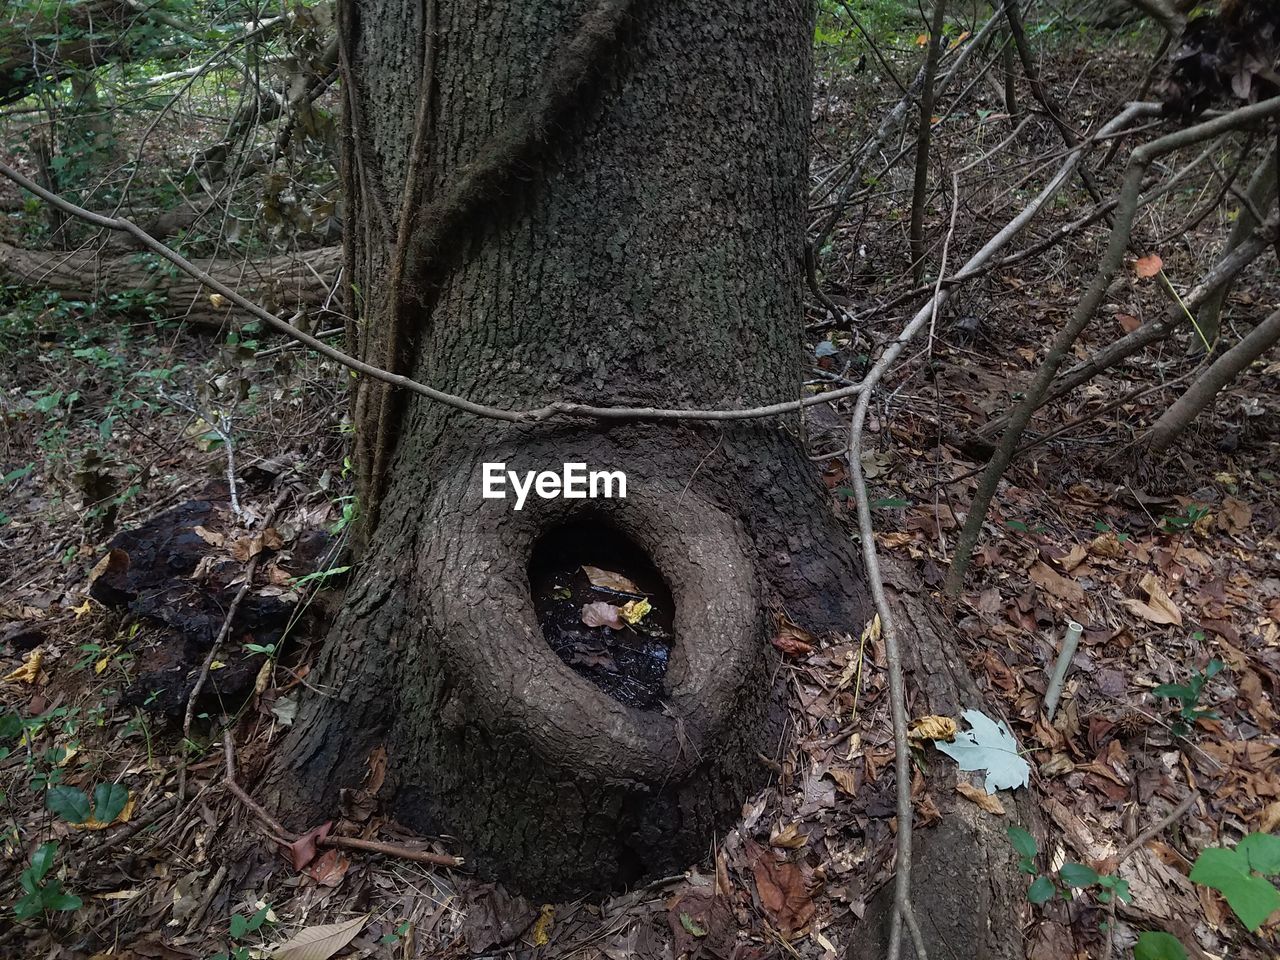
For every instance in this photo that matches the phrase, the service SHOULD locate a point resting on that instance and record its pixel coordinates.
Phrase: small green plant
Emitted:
(42, 893)
(1071, 876)
(350, 513)
(396, 936)
(1240, 875)
(1191, 514)
(1158, 945)
(241, 927)
(1188, 696)
(73, 804)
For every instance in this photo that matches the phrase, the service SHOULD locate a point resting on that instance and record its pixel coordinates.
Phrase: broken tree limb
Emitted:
(1258, 196)
(290, 283)
(1174, 316)
(1139, 162)
(1200, 395)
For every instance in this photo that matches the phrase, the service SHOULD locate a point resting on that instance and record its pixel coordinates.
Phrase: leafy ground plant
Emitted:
(1071, 876)
(1188, 696)
(42, 893)
(1158, 945)
(1241, 876)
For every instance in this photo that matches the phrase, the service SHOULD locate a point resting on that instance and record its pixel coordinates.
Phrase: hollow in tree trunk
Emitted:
(646, 250)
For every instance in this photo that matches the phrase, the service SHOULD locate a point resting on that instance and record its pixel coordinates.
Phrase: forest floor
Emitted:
(108, 418)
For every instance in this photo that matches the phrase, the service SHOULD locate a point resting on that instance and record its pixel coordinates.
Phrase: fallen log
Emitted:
(286, 284)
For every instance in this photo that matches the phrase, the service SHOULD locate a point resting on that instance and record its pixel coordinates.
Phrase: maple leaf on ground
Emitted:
(988, 746)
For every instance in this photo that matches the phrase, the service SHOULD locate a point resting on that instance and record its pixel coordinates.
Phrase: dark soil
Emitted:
(628, 664)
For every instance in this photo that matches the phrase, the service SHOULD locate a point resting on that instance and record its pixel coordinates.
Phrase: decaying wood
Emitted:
(289, 283)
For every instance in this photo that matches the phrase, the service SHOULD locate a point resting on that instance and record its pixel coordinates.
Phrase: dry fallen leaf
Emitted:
(29, 672)
(846, 780)
(115, 561)
(1270, 817)
(1055, 584)
(1148, 266)
(1236, 515)
(608, 580)
(601, 614)
(329, 868)
(1159, 608)
(211, 537)
(319, 943)
(979, 796)
(792, 640)
(782, 889)
(1128, 322)
(932, 728)
(790, 837)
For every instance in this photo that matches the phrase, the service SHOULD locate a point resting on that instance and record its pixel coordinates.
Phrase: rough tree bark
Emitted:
(648, 250)
(285, 283)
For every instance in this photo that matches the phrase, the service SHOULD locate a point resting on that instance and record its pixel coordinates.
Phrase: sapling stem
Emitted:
(1060, 668)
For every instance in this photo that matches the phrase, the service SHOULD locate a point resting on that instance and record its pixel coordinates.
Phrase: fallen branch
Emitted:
(1201, 394)
(1118, 244)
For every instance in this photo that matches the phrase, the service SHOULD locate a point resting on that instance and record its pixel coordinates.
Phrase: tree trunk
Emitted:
(287, 283)
(651, 253)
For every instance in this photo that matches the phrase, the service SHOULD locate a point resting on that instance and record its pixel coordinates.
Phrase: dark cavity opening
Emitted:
(600, 628)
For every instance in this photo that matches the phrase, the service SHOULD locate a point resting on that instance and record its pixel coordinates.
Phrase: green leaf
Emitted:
(1078, 875)
(1251, 897)
(70, 803)
(1174, 690)
(109, 800)
(1041, 890)
(42, 860)
(1158, 945)
(239, 925)
(1022, 841)
(10, 726)
(29, 906)
(691, 925)
(1263, 852)
(54, 899)
(257, 919)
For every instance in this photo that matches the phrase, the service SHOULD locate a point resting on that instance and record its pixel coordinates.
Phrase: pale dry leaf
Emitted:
(792, 640)
(790, 837)
(846, 780)
(29, 672)
(211, 537)
(115, 561)
(1159, 608)
(980, 797)
(1055, 584)
(608, 580)
(319, 943)
(601, 614)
